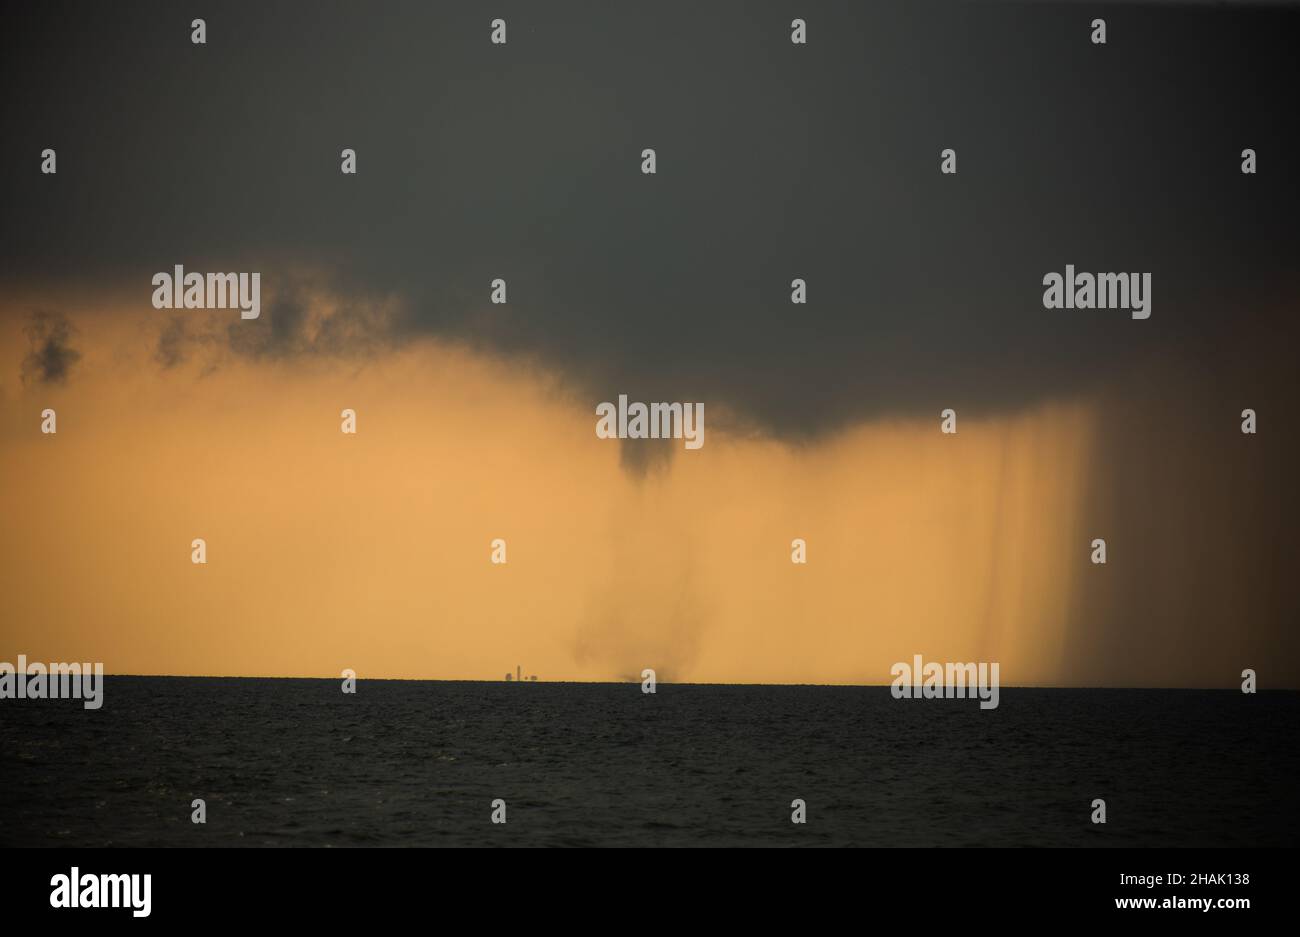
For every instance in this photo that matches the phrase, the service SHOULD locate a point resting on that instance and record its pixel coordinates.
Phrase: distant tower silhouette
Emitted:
(519, 672)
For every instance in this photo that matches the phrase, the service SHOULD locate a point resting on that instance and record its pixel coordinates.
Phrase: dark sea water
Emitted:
(298, 763)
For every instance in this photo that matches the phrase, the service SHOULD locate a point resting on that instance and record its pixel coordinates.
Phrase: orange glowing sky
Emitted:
(371, 552)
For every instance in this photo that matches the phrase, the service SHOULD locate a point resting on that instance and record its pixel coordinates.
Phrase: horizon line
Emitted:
(1025, 686)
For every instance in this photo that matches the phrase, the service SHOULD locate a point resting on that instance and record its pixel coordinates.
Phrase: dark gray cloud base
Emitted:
(775, 161)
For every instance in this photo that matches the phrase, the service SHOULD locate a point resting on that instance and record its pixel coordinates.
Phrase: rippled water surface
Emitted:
(296, 762)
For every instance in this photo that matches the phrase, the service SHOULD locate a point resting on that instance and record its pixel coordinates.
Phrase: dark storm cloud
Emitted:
(50, 354)
(775, 162)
